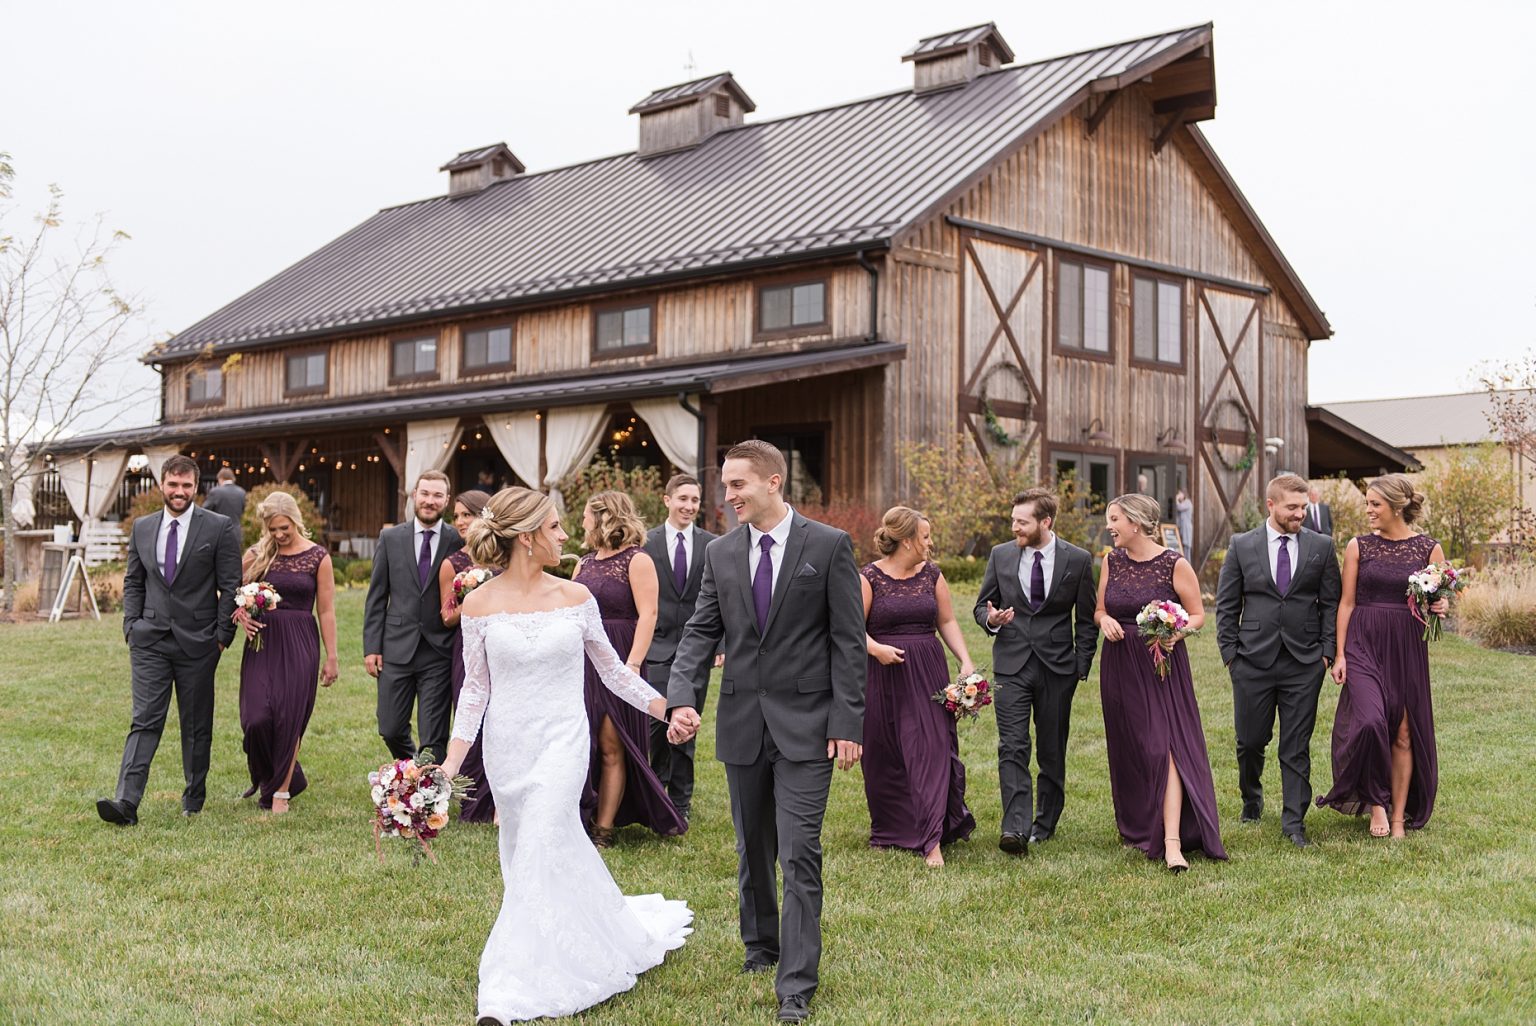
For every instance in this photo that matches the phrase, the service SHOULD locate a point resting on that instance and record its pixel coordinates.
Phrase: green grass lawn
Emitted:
(237, 917)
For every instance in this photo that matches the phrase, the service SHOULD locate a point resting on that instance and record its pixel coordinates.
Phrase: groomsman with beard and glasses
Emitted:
(1037, 599)
(1276, 604)
(406, 646)
(677, 549)
(178, 604)
(1319, 516)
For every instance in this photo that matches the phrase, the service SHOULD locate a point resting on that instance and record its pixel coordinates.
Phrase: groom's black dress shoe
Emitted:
(115, 810)
(756, 965)
(1013, 844)
(793, 1009)
(1252, 811)
(1300, 839)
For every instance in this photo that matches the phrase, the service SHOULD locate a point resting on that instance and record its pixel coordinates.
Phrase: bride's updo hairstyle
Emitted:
(1142, 511)
(1399, 493)
(511, 512)
(898, 524)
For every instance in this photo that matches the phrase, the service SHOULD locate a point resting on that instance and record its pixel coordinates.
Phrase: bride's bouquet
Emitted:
(255, 599)
(412, 801)
(1160, 621)
(466, 581)
(1435, 582)
(965, 696)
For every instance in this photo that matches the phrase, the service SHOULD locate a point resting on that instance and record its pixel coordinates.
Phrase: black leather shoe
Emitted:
(1252, 811)
(115, 810)
(1300, 839)
(756, 965)
(793, 1009)
(1013, 844)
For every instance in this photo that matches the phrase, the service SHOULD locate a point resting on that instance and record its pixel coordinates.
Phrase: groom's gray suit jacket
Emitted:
(803, 678)
(196, 608)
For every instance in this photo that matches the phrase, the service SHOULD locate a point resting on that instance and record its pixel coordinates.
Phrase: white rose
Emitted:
(403, 818)
(417, 801)
(378, 794)
(441, 808)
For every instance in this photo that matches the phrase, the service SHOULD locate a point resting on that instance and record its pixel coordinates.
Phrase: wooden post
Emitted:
(709, 468)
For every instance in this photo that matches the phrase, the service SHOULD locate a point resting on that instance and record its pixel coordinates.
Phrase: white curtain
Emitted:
(91, 483)
(676, 430)
(25, 471)
(571, 436)
(157, 455)
(75, 476)
(517, 436)
(428, 446)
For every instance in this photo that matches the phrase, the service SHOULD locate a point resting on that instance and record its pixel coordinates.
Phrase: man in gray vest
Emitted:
(1276, 604)
(677, 548)
(226, 498)
(1037, 598)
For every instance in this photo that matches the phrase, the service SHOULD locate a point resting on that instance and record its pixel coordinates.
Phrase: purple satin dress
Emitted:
(480, 806)
(1386, 667)
(645, 798)
(1146, 718)
(914, 780)
(279, 682)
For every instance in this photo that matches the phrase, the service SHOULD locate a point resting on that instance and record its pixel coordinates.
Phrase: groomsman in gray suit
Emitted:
(406, 646)
(1319, 516)
(1276, 604)
(677, 548)
(227, 498)
(782, 593)
(178, 600)
(1037, 599)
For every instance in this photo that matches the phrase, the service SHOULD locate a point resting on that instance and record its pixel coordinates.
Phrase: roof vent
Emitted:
(473, 170)
(681, 116)
(955, 58)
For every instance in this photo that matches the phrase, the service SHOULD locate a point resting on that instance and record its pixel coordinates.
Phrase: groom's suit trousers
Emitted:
(159, 668)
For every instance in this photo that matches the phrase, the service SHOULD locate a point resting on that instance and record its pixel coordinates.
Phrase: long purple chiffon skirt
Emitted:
(1386, 664)
(277, 696)
(1146, 718)
(914, 780)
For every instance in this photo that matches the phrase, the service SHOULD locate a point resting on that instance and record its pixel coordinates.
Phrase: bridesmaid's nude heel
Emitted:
(280, 796)
(1173, 849)
(1378, 829)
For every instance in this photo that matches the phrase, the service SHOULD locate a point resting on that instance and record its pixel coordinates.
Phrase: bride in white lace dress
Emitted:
(566, 938)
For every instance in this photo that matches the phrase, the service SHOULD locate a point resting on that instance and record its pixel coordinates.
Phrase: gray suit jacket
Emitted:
(227, 500)
(196, 608)
(673, 609)
(802, 679)
(1061, 634)
(1253, 620)
(1324, 516)
(399, 614)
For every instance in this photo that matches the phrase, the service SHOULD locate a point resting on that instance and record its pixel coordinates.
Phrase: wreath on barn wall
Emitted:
(1250, 451)
(995, 429)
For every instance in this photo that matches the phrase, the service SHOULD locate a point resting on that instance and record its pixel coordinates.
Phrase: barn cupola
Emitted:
(682, 116)
(473, 170)
(956, 58)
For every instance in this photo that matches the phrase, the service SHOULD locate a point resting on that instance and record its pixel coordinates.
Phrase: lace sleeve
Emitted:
(477, 680)
(617, 677)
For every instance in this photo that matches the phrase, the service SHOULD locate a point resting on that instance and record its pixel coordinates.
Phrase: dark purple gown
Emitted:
(278, 683)
(1147, 717)
(914, 780)
(645, 798)
(1386, 667)
(480, 806)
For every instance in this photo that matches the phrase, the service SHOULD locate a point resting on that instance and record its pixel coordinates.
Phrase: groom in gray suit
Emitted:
(1276, 604)
(1037, 599)
(782, 592)
(178, 600)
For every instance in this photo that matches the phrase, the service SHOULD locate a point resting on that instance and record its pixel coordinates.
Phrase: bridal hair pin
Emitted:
(486, 514)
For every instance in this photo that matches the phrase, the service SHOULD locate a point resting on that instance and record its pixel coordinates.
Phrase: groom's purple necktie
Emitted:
(170, 553)
(424, 563)
(1283, 566)
(1037, 582)
(762, 582)
(680, 564)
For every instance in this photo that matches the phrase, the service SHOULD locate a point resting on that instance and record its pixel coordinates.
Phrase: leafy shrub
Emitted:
(1469, 493)
(953, 485)
(251, 527)
(1346, 500)
(859, 521)
(1499, 609)
(26, 598)
(143, 504)
(107, 586)
(963, 569)
(359, 571)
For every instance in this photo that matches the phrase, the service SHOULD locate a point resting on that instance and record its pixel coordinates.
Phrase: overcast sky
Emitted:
(1387, 147)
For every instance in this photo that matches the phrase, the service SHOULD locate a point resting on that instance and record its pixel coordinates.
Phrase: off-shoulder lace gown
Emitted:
(566, 938)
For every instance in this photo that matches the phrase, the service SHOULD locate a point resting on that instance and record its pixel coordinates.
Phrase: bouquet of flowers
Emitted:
(965, 696)
(1436, 581)
(411, 800)
(466, 581)
(1164, 620)
(256, 598)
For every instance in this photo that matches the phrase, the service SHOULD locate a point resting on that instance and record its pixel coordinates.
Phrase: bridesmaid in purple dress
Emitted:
(621, 786)
(1159, 770)
(480, 806)
(1384, 729)
(277, 681)
(914, 780)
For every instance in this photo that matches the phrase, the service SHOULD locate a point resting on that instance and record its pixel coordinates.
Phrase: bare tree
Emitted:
(64, 330)
(1512, 403)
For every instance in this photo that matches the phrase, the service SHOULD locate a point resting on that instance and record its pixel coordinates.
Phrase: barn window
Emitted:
(306, 372)
(414, 358)
(1082, 307)
(488, 348)
(205, 386)
(792, 308)
(1157, 321)
(625, 330)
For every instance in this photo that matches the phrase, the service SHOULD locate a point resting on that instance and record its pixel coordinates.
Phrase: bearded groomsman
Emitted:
(1276, 603)
(677, 549)
(1037, 599)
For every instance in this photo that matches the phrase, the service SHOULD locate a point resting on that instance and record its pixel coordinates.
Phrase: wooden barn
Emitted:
(1048, 258)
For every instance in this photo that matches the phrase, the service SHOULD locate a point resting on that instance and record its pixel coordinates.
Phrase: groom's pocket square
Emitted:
(806, 571)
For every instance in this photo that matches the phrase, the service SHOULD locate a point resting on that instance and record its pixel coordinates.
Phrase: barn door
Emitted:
(1231, 435)
(1002, 351)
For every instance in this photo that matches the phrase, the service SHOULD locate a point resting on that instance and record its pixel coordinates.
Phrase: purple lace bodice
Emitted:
(295, 578)
(1133, 584)
(902, 607)
(1385, 566)
(460, 561)
(608, 581)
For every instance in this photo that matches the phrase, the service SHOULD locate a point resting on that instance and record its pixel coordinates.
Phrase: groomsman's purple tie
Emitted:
(170, 553)
(424, 564)
(680, 564)
(1283, 566)
(1037, 582)
(762, 582)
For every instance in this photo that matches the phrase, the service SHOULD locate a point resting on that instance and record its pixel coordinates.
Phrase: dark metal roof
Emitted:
(671, 96)
(724, 374)
(949, 42)
(1337, 446)
(471, 158)
(829, 181)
